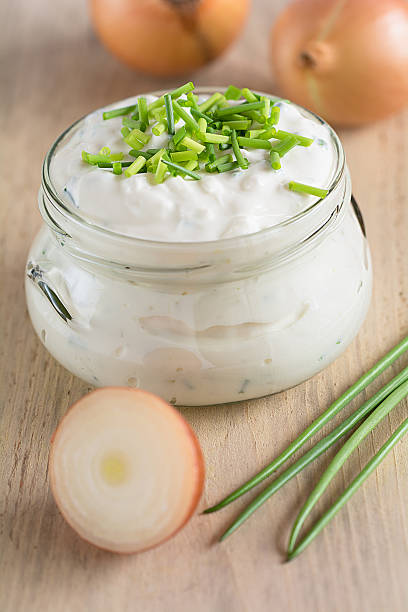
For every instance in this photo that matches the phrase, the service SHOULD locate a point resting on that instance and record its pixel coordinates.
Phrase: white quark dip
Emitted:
(173, 288)
(178, 210)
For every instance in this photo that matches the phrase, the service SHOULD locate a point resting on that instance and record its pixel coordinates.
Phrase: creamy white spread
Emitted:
(179, 210)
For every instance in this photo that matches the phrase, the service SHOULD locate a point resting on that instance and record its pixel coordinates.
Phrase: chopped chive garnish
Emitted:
(147, 154)
(117, 167)
(185, 116)
(181, 156)
(284, 146)
(233, 93)
(303, 141)
(241, 160)
(228, 167)
(202, 125)
(267, 108)
(154, 160)
(159, 128)
(211, 152)
(224, 159)
(248, 95)
(118, 112)
(179, 135)
(136, 166)
(143, 115)
(160, 170)
(125, 132)
(112, 164)
(191, 165)
(301, 188)
(267, 134)
(94, 159)
(192, 144)
(116, 156)
(193, 99)
(176, 93)
(275, 160)
(214, 138)
(212, 101)
(242, 124)
(135, 137)
(182, 170)
(275, 114)
(168, 105)
(198, 115)
(254, 133)
(254, 143)
(239, 108)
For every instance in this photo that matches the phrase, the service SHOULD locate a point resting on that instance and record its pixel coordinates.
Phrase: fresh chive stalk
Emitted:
(118, 112)
(168, 105)
(275, 160)
(239, 108)
(248, 95)
(143, 114)
(284, 146)
(182, 170)
(135, 167)
(191, 165)
(183, 156)
(112, 165)
(185, 116)
(242, 124)
(192, 144)
(210, 102)
(302, 188)
(228, 167)
(214, 138)
(179, 135)
(176, 93)
(199, 115)
(303, 141)
(136, 137)
(117, 167)
(224, 159)
(254, 143)
(233, 93)
(241, 160)
(159, 128)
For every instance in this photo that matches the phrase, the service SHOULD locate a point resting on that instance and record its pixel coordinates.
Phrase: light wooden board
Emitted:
(53, 70)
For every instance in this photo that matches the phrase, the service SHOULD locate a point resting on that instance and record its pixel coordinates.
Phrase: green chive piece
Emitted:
(117, 167)
(199, 115)
(237, 117)
(349, 446)
(182, 170)
(210, 102)
(116, 156)
(192, 144)
(202, 125)
(267, 134)
(267, 108)
(136, 166)
(325, 417)
(193, 99)
(125, 132)
(401, 431)
(161, 170)
(159, 128)
(254, 143)
(147, 154)
(179, 135)
(301, 188)
(211, 152)
(318, 449)
(118, 112)
(224, 159)
(233, 93)
(169, 113)
(154, 160)
(284, 146)
(191, 165)
(181, 156)
(239, 108)
(185, 116)
(275, 114)
(105, 151)
(176, 93)
(302, 140)
(143, 114)
(93, 159)
(242, 124)
(254, 133)
(275, 160)
(135, 115)
(136, 137)
(112, 164)
(214, 138)
(248, 95)
(228, 167)
(241, 160)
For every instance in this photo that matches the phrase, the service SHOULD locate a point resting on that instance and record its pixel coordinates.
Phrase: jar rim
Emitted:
(72, 215)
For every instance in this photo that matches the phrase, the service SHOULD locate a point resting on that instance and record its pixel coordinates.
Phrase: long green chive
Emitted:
(303, 141)
(284, 146)
(185, 116)
(248, 95)
(214, 138)
(254, 143)
(224, 159)
(192, 144)
(242, 124)
(118, 112)
(210, 102)
(316, 451)
(136, 166)
(301, 188)
(275, 160)
(181, 156)
(241, 160)
(169, 113)
(238, 108)
(227, 167)
(351, 489)
(320, 422)
(233, 93)
(349, 446)
(182, 170)
(124, 164)
(143, 114)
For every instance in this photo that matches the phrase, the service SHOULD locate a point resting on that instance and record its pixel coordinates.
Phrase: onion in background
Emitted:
(346, 60)
(168, 37)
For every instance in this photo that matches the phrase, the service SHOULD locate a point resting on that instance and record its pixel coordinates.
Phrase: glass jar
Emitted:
(207, 322)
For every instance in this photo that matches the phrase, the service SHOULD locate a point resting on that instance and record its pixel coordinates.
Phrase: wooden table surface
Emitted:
(53, 70)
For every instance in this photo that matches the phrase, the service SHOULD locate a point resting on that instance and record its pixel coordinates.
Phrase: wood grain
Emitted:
(53, 70)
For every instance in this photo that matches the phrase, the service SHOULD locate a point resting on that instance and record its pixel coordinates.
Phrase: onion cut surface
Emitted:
(126, 470)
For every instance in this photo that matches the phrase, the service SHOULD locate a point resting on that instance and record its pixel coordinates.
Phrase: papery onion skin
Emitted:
(346, 60)
(168, 37)
(197, 465)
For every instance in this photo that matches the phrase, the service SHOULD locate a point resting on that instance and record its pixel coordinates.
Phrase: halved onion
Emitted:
(126, 470)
